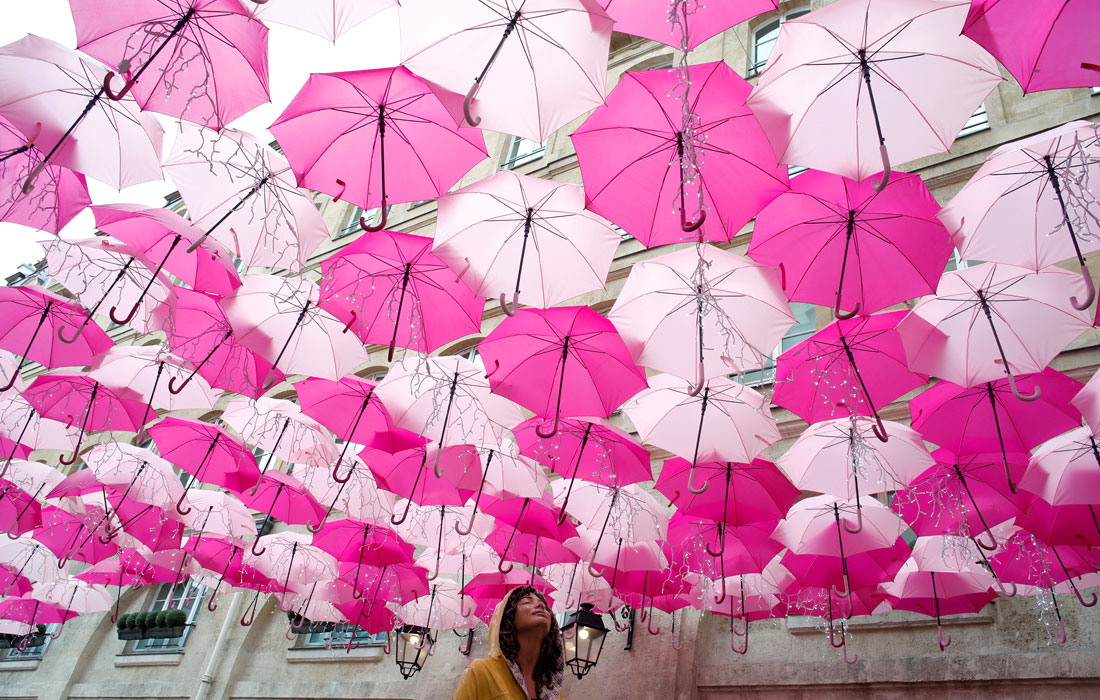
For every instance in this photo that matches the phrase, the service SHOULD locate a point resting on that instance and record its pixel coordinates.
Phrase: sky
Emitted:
(293, 56)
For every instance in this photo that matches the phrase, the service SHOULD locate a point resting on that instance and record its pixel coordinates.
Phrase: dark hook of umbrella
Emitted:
(519, 519)
(351, 433)
(1000, 434)
(28, 184)
(148, 285)
(472, 92)
(443, 431)
(878, 428)
(394, 520)
(944, 640)
(23, 358)
(250, 610)
(700, 373)
(173, 389)
(997, 579)
(83, 425)
(685, 225)
(855, 481)
(477, 499)
(384, 208)
(744, 631)
(850, 228)
(236, 207)
(984, 303)
(519, 271)
(981, 518)
(198, 471)
(698, 442)
(1090, 288)
(562, 515)
(131, 80)
(1069, 579)
(561, 387)
(290, 336)
(843, 565)
(400, 305)
(865, 71)
(87, 319)
(210, 604)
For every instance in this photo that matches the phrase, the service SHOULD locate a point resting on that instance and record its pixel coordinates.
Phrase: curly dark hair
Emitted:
(551, 655)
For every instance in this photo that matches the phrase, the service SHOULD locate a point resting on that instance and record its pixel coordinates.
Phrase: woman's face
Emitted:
(531, 613)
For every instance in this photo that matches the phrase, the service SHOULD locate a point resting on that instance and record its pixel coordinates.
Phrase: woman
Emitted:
(526, 660)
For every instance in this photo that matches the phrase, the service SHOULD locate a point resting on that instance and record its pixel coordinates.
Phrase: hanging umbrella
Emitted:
(660, 20)
(242, 193)
(1063, 470)
(627, 514)
(530, 84)
(32, 318)
(283, 497)
(61, 194)
(218, 514)
(23, 430)
(1025, 324)
(853, 366)
(209, 58)
(1041, 45)
(407, 474)
(487, 231)
(22, 494)
(199, 331)
(749, 493)
(54, 87)
(30, 559)
(135, 473)
(842, 243)
(363, 544)
(399, 293)
(842, 79)
(936, 593)
(282, 320)
(984, 419)
(279, 428)
(440, 608)
(356, 493)
(754, 597)
(726, 422)
(637, 143)
(328, 19)
(206, 452)
(732, 310)
(533, 353)
(1030, 203)
(740, 550)
(339, 120)
(440, 529)
(75, 596)
(76, 536)
(293, 562)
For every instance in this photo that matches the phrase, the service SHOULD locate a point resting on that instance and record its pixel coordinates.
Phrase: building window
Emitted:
(622, 234)
(471, 353)
(979, 121)
(31, 652)
(793, 170)
(341, 634)
(183, 596)
(521, 151)
(805, 325)
(763, 39)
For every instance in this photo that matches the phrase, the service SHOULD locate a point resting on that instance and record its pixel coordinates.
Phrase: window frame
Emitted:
(756, 65)
(339, 637)
(32, 653)
(514, 158)
(793, 336)
(163, 600)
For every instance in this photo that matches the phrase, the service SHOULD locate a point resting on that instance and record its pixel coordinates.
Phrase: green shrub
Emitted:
(175, 618)
(138, 621)
(40, 629)
(160, 619)
(123, 621)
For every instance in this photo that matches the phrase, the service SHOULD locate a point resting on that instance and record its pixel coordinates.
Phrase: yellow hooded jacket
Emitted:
(492, 678)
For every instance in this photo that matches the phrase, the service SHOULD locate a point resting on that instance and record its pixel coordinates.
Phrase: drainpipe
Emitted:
(207, 679)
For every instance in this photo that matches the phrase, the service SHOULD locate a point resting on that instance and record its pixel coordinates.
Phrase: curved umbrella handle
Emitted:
(852, 660)
(1061, 632)
(63, 339)
(571, 633)
(879, 429)
(1016, 392)
(832, 637)
(689, 226)
(859, 522)
(496, 366)
(462, 609)
(337, 479)
(595, 574)
(259, 553)
(173, 389)
(469, 528)
(504, 304)
(721, 543)
(129, 317)
(1090, 291)
(837, 592)
(886, 170)
(470, 94)
(944, 643)
(387, 647)
(289, 634)
(782, 277)
(700, 381)
(718, 600)
(343, 185)
(744, 649)
(384, 212)
(251, 617)
(500, 566)
(845, 315)
(649, 626)
(70, 460)
(28, 184)
(553, 427)
(435, 574)
(691, 478)
(116, 96)
(179, 505)
(352, 644)
(397, 521)
(351, 322)
(983, 545)
(210, 604)
(678, 642)
(618, 627)
(1080, 599)
(1000, 586)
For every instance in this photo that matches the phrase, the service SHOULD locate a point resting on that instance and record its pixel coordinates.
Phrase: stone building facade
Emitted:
(1004, 651)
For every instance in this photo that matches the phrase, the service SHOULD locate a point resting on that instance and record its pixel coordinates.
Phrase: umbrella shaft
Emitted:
(523, 249)
(183, 20)
(507, 31)
(87, 108)
(19, 440)
(14, 152)
(865, 69)
(1062, 203)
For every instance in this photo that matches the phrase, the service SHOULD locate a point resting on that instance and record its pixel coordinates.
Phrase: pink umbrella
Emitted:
(282, 320)
(732, 310)
(146, 368)
(755, 597)
(363, 544)
(242, 193)
(290, 559)
(112, 572)
(839, 242)
(726, 422)
(396, 584)
(73, 595)
(751, 493)
(199, 331)
(52, 87)
(1063, 470)
(336, 115)
(392, 281)
(75, 536)
(60, 196)
(534, 353)
(356, 493)
(32, 317)
(98, 271)
(865, 570)
(33, 611)
(628, 513)
(30, 559)
(843, 78)
(227, 557)
(745, 549)
(135, 473)
(984, 418)
(1041, 45)
(455, 478)
(207, 452)
(79, 398)
(936, 593)
(280, 496)
(988, 313)
(1087, 401)
(327, 19)
(487, 230)
(158, 232)
(508, 475)
(279, 428)
(637, 143)
(550, 72)
(219, 514)
(851, 366)
(1006, 212)
(22, 493)
(23, 430)
(215, 66)
(1075, 525)
(660, 21)
(533, 551)
(441, 608)
(439, 527)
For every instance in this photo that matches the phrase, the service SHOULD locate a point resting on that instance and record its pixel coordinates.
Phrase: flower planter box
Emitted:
(313, 627)
(127, 634)
(163, 632)
(14, 643)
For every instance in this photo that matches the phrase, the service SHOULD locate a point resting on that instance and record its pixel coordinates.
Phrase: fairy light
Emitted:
(694, 139)
(1074, 174)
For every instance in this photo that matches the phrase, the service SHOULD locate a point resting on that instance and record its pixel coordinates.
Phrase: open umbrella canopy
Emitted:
(59, 195)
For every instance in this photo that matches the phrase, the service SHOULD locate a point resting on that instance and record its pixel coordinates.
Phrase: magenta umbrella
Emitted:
(532, 66)
(842, 243)
(209, 58)
(682, 23)
(61, 193)
(985, 418)
(31, 320)
(936, 593)
(1064, 470)
(22, 493)
(207, 452)
(745, 493)
(328, 19)
(844, 78)
(1043, 45)
(636, 144)
(564, 361)
(149, 371)
(487, 231)
(334, 134)
(199, 331)
(399, 293)
(362, 543)
(163, 236)
(853, 366)
(75, 536)
(746, 549)
(281, 496)
(407, 474)
(53, 87)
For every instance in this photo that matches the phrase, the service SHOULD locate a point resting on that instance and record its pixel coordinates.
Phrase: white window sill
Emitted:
(141, 659)
(335, 655)
(19, 664)
(894, 619)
